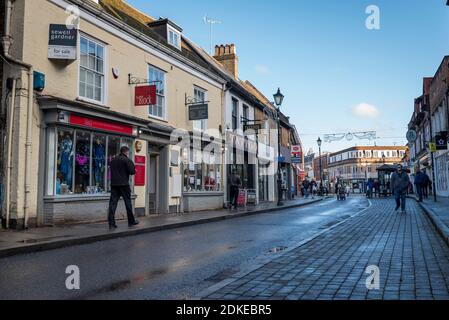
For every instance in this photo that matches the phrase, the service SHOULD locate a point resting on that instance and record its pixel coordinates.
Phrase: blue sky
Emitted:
(324, 59)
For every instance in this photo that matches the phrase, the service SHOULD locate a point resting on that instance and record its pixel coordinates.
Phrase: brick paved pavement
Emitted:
(412, 257)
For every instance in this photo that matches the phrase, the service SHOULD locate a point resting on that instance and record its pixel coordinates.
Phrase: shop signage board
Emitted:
(198, 112)
(241, 198)
(62, 42)
(140, 177)
(296, 154)
(252, 127)
(251, 196)
(145, 96)
(101, 125)
(441, 141)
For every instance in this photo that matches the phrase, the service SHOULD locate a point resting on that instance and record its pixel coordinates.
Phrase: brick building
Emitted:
(354, 166)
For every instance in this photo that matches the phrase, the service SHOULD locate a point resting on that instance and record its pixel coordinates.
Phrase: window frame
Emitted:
(105, 84)
(52, 137)
(164, 105)
(176, 32)
(202, 123)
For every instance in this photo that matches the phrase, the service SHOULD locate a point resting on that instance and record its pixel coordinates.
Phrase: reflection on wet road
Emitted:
(170, 264)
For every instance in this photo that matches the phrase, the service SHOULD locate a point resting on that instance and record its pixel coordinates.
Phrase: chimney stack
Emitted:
(226, 55)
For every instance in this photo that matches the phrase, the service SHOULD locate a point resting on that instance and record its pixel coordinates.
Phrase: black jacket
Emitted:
(121, 168)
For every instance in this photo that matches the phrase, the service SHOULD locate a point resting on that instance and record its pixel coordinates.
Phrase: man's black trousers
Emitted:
(116, 194)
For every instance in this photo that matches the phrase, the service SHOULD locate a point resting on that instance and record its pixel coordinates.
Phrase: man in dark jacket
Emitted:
(236, 182)
(419, 183)
(426, 184)
(121, 169)
(399, 184)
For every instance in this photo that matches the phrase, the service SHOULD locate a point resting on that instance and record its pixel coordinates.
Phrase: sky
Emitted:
(337, 75)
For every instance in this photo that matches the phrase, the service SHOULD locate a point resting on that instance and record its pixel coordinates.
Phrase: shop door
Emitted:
(153, 179)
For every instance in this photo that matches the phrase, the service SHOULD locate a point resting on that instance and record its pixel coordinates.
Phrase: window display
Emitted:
(200, 176)
(65, 162)
(82, 161)
(99, 162)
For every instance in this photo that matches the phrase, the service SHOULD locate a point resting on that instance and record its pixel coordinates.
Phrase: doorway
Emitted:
(153, 182)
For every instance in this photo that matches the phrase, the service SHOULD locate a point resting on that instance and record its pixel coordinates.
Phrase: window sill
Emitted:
(158, 119)
(202, 193)
(81, 198)
(94, 102)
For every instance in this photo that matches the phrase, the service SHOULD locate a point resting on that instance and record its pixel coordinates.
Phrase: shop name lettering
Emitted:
(144, 100)
(61, 35)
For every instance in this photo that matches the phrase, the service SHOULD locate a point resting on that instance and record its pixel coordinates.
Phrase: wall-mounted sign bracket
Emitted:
(136, 81)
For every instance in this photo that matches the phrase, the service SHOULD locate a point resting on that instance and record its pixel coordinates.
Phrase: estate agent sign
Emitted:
(62, 42)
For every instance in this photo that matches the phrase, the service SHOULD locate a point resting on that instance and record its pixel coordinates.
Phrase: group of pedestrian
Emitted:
(373, 188)
(422, 183)
(309, 188)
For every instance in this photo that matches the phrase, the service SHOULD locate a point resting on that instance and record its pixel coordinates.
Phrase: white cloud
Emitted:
(262, 70)
(365, 110)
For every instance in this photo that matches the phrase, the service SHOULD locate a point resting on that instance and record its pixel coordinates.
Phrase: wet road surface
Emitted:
(170, 264)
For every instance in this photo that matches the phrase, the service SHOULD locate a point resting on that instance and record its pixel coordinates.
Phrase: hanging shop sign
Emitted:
(62, 42)
(140, 177)
(101, 125)
(145, 96)
(296, 154)
(253, 127)
(198, 112)
(441, 141)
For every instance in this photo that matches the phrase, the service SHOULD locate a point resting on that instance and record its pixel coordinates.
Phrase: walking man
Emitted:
(236, 182)
(399, 184)
(426, 184)
(419, 183)
(121, 169)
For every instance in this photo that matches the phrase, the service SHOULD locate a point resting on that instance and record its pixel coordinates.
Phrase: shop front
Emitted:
(242, 161)
(202, 177)
(77, 147)
(265, 172)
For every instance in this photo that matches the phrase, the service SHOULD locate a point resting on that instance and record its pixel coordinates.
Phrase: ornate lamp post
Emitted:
(320, 142)
(278, 99)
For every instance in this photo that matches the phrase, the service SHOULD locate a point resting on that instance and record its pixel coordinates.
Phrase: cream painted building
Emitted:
(82, 109)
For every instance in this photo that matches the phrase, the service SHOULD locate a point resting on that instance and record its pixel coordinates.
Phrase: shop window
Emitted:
(99, 162)
(82, 162)
(64, 175)
(91, 82)
(79, 161)
(199, 175)
(158, 78)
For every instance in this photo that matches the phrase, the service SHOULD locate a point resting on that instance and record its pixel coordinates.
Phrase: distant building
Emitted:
(354, 166)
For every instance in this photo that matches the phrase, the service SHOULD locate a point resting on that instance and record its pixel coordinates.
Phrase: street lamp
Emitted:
(278, 99)
(320, 142)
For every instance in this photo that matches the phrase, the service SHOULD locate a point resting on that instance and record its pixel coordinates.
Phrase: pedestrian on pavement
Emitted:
(306, 186)
(419, 184)
(236, 182)
(370, 187)
(377, 188)
(426, 185)
(399, 184)
(348, 190)
(121, 169)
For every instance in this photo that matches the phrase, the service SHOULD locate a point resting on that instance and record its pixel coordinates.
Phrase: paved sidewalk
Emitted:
(438, 212)
(46, 238)
(412, 257)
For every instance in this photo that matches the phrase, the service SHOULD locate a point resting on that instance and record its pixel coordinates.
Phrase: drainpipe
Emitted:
(8, 150)
(7, 41)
